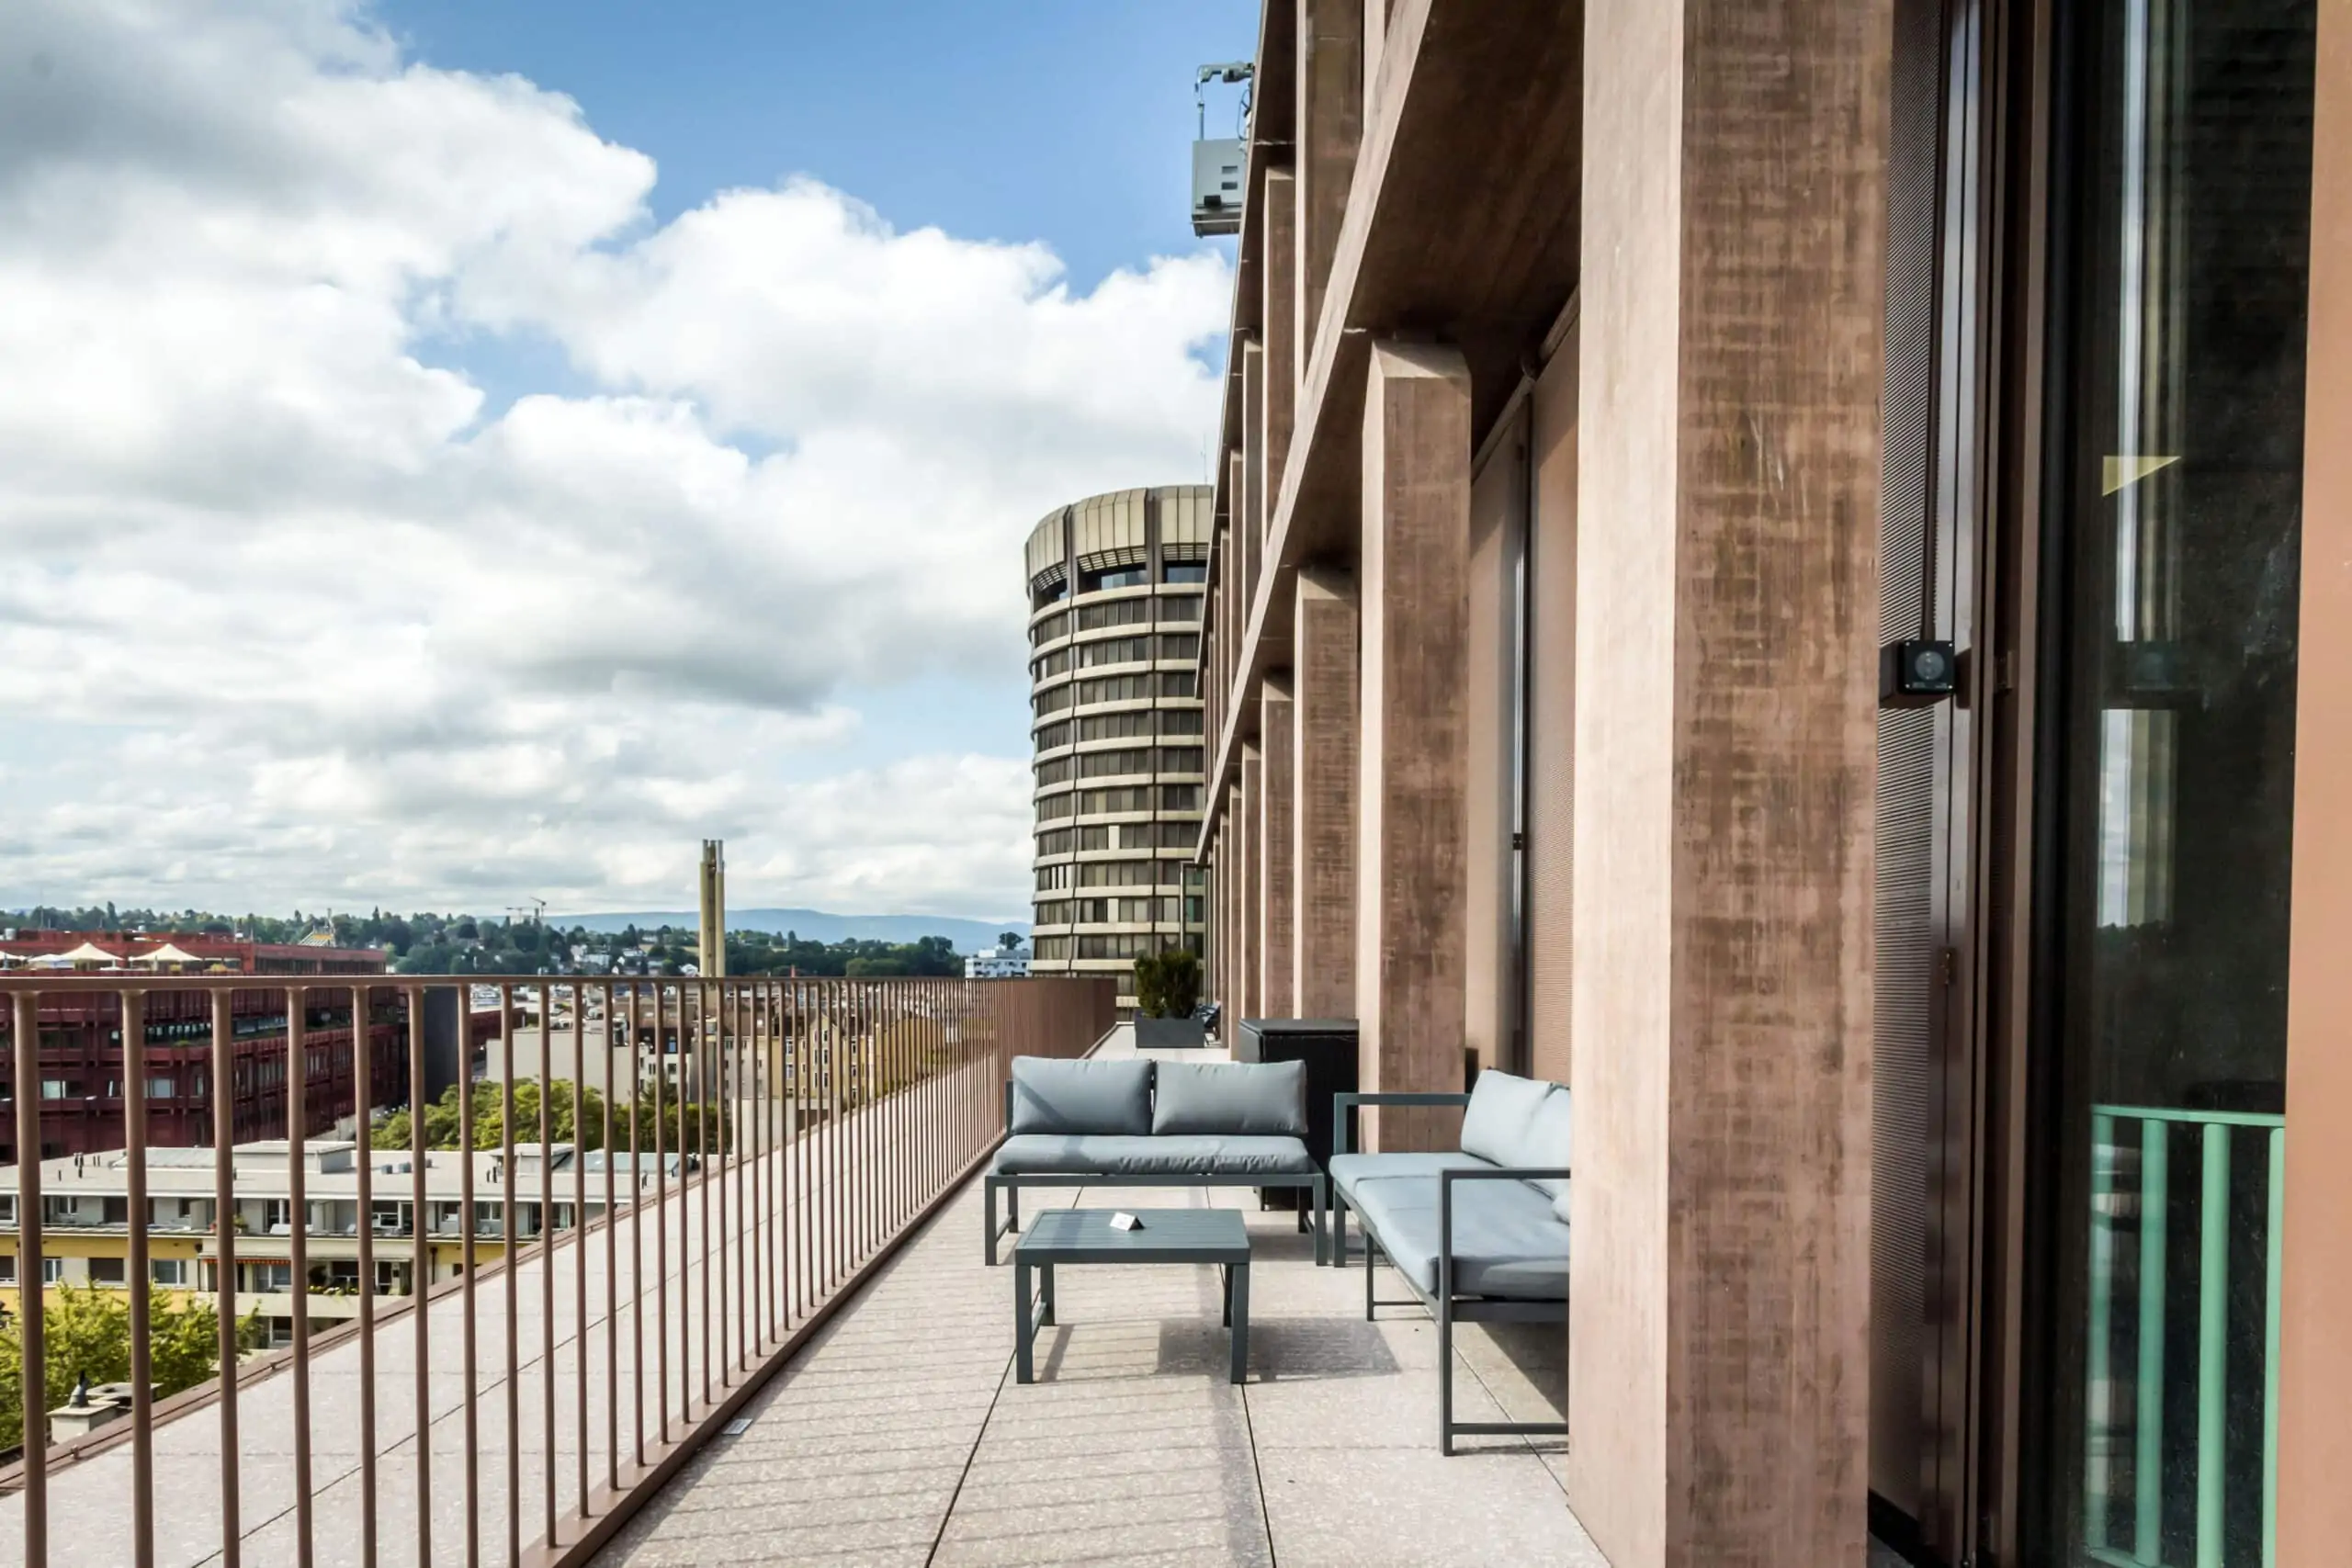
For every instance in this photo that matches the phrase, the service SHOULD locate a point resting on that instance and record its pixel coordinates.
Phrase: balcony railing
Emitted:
(741, 1214)
(2132, 1350)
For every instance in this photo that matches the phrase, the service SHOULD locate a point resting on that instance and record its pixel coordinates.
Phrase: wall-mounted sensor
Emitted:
(1916, 672)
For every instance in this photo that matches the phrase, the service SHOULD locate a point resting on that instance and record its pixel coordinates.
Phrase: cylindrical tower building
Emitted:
(1115, 586)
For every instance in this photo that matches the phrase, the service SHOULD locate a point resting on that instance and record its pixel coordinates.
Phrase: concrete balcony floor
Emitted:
(900, 1437)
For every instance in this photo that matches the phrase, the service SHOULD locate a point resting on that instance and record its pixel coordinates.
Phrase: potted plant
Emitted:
(1167, 988)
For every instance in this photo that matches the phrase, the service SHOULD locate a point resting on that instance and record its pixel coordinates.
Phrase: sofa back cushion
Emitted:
(1236, 1098)
(1080, 1098)
(1544, 1146)
(1502, 1106)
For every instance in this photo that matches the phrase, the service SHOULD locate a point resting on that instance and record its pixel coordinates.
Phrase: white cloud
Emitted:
(304, 616)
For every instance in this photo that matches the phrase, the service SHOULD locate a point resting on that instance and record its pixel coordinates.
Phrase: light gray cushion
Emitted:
(1043, 1153)
(1507, 1241)
(1544, 1146)
(1502, 1105)
(1348, 1169)
(1262, 1098)
(1079, 1099)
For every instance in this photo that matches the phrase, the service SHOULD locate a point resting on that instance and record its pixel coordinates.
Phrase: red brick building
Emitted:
(80, 1046)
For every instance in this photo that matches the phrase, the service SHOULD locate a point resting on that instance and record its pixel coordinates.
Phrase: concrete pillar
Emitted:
(1278, 331)
(1330, 124)
(1728, 455)
(1237, 990)
(2314, 1444)
(1498, 534)
(1250, 835)
(1250, 516)
(1325, 686)
(1277, 883)
(1412, 872)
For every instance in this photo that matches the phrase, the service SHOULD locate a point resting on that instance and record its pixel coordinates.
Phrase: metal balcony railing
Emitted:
(733, 1215)
(2133, 1356)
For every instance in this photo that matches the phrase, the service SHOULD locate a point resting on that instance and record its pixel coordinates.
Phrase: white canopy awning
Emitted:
(168, 954)
(90, 952)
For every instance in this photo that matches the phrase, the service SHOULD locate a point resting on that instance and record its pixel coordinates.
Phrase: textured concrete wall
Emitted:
(1277, 821)
(1413, 876)
(1249, 838)
(1249, 528)
(1326, 685)
(1734, 167)
(1278, 331)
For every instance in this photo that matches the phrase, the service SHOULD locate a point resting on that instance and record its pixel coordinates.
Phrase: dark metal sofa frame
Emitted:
(1311, 1214)
(1446, 1304)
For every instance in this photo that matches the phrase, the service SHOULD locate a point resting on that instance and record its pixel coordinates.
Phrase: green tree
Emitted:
(86, 1332)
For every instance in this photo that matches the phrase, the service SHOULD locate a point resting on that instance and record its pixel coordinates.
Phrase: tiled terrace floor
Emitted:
(900, 1437)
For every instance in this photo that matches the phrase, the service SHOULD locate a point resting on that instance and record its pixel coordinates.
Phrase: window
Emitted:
(1114, 726)
(1116, 651)
(1049, 628)
(1104, 578)
(1058, 771)
(177, 1272)
(54, 1089)
(1182, 606)
(1180, 797)
(107, 1271)
(1108, 764)
(1053, 735)
(52, 1271)
(1056, 842)
(1180, 759)
(1117, 689)
(1179, 645)
(1179, 683)
(1184, 571)
(1055, 806)
(1119, 613)
(1053, 878)
(163, 1085)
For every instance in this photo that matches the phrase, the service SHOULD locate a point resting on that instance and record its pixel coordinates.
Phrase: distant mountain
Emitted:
(814, 925)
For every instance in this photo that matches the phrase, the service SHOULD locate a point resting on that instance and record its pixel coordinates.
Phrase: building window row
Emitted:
(1108, 764)
(1119, 650)
(1058, 771)
(1134, 797)
(1123, 874)
(1056, 806)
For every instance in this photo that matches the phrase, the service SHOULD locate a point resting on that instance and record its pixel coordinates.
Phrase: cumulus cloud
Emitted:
(305, 613)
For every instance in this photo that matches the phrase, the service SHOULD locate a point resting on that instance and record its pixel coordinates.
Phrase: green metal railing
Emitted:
(2217, 1130)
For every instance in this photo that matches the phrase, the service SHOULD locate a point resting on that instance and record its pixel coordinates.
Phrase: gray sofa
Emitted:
(1144, 1124)
(1479, 1232)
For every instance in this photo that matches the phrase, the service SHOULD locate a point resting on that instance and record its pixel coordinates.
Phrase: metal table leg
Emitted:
(1024, 1359)
(1237, 1314)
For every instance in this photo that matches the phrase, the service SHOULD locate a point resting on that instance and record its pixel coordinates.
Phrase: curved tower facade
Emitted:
(1115, 587)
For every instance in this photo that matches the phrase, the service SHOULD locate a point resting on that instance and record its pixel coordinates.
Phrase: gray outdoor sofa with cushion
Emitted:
(1479, 1234)
(1144, 1124)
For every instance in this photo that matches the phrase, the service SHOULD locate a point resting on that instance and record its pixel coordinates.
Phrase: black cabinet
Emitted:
(1327, 1046)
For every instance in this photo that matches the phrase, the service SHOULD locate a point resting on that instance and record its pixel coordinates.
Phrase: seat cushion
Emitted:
(1258, 1099)
(1348, 1169)
(1080, 1098)
(1544, 1145)
(1502, 1105)
(1040, 1154)
(1507, 1240)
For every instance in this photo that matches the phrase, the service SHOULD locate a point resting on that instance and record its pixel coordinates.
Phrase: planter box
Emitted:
(1167, 1033)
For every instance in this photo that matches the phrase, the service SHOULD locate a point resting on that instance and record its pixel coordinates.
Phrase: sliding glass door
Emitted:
(2180, 240)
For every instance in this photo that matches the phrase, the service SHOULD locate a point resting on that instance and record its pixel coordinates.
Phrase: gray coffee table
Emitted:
(1167, 1236)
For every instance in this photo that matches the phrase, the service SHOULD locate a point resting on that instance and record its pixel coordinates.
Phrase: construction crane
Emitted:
(536, 911)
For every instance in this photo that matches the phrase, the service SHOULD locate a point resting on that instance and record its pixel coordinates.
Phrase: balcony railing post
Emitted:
(25, 1041)
(133, 1007)
(660, 1223)
(468, 1268)
(510, 1243)
(579, 1233)
(363, 1073)
(297, 1127)
(546, 1256)
(224, 1265)
(420, 1266)
(611, 1256)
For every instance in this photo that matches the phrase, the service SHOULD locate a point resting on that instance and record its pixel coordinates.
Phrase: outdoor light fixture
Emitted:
(1916, 672)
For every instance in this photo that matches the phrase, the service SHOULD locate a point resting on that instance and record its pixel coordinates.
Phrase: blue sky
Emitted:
(1068, 121)
(472, 451)
(1065, 121)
